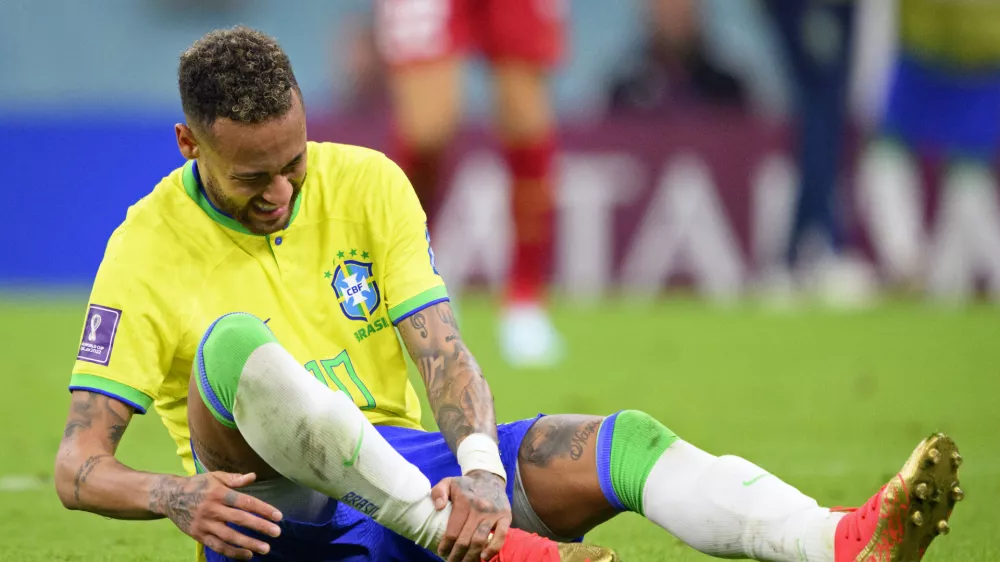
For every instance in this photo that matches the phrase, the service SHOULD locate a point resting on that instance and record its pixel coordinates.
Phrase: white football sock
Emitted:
(728, 507)
(723, 506)
(318, 437)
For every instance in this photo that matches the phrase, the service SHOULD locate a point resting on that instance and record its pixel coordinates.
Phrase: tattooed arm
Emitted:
(90, 478)
(462, 404)
(87, 475)
(458, 394)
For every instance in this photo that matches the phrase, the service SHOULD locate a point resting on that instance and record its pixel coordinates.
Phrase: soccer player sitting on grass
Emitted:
(252, 298)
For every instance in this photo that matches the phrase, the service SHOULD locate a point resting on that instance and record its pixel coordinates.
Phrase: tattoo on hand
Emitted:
(86, 468)
(486, 492)
(178, 498)
(557, 436)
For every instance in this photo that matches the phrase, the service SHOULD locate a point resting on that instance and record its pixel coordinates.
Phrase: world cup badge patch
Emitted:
(354, 284)
(99, 334)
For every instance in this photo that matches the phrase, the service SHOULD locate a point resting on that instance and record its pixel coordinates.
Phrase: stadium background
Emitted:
(696, 198)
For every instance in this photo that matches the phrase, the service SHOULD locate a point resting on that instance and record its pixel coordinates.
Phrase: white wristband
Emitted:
(480, 452)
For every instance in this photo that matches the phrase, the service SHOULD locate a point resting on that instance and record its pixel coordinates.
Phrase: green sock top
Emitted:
(637, 443)
(222, 353)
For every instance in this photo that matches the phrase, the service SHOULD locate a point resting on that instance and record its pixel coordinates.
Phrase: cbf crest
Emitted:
(353, 281)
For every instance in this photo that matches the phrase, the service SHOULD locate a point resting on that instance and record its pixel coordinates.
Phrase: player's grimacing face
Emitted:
(254, 173)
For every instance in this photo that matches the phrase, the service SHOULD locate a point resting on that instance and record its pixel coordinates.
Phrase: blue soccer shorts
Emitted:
(349, 536)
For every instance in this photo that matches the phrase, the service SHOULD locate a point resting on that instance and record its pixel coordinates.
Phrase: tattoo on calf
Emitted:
(212, 459)
(580, 438)
(557, 437)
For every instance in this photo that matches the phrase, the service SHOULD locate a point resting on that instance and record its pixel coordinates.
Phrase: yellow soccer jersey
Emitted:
(354, 260)
(957, 33)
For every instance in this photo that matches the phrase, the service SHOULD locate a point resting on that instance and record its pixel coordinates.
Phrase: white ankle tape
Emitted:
(480, 452)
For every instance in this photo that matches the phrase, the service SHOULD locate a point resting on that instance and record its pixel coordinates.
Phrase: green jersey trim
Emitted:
(135, 398)
(194, 190)
(415, 304)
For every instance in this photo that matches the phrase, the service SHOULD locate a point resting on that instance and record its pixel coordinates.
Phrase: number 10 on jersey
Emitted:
(333, 371)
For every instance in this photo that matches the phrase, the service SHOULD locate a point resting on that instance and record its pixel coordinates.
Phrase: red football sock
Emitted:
(422, 167)
(532, 208)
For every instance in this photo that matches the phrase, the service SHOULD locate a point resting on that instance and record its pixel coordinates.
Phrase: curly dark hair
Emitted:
(239, 74)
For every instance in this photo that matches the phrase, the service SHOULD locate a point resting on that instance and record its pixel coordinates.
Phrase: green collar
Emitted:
(194, 189)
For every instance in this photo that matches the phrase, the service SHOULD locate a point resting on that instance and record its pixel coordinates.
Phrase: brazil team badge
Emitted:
(354, 284)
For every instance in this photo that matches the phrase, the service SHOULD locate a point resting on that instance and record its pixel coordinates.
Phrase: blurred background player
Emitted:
(671, 70)
(424, 43)
(944, 103)
(817, 37)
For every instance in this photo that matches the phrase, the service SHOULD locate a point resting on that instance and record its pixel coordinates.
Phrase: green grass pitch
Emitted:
(833, 403)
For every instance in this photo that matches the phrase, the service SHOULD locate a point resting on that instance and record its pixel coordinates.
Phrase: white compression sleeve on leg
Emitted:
(729, 507)
(319, 438)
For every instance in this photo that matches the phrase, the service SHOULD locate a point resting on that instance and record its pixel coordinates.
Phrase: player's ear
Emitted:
(186, 142)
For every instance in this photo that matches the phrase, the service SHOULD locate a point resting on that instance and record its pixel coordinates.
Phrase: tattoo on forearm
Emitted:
(558, 437)
(460, 411)
(81, 415)
(178, 498)
(86, 468)
(432, 369)
(459, 395)
(90, 408)
(453, 423)
(447, 316)
(419, 323)
(118, 424)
